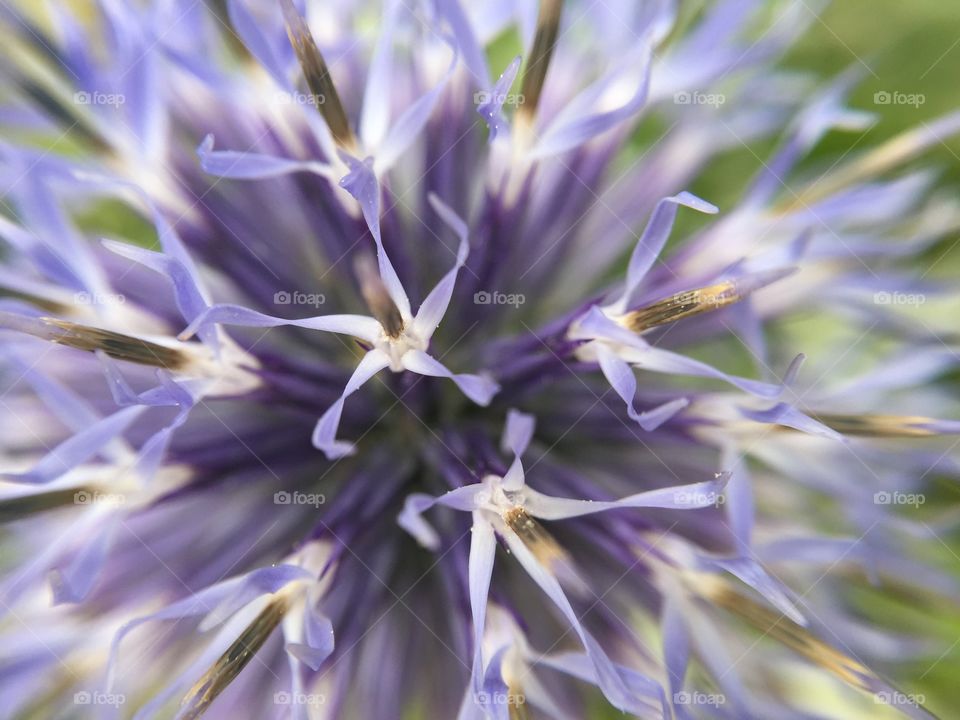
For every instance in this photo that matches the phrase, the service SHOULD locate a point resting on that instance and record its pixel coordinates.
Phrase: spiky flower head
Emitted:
(385, 399)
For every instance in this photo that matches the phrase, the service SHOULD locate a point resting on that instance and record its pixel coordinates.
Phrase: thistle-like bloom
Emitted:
(243, 477)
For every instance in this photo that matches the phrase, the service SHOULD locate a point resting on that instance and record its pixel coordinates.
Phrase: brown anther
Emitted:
(682, 305)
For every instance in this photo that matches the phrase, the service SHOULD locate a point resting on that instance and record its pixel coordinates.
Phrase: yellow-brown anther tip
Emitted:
(535, 72)
(317, 76)
(682, 305)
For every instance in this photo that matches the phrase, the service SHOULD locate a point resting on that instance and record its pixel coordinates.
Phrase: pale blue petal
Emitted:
(360, 326)
(189, 300)
(644, 356)
(739, 506)
(270, 49)
(361, 182)
(620, 376)
(190, 295)
(654, 237)
(479, 389)
(325, 433)
(434, 307)
(317, 643)
(665, 361)
(518, 432)
(750, 572)
(607, 677)
(466, 498)
(378, 89)
(575, 127)
(514, 479)
(679, 497)
(408, 126)
(789, 416)
(73, 582)
(263, 581)
(474, 56)
(490, 107)
(649, 700)
(676, 643)
(224, 596)
(483, 547)
(78, 448)
(253, 166)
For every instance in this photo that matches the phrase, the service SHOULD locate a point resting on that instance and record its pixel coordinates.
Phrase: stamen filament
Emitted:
(682, 305)
(317, 76)
(228, 666)
(374, 292)
(535, 72)
(83, 337)
(889, 426)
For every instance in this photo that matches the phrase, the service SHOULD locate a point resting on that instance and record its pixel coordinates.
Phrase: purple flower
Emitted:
(236, 478)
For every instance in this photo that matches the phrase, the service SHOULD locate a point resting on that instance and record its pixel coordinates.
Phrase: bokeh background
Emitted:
(912, 47)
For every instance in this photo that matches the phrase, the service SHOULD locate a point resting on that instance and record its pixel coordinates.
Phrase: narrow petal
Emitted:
(665, 361)
(739, 506)
(654, 237)
(189, 292)
(750, 572)
(223, 595)
(517, 432)
(252, 31)
(78, 448)
(620, 376)
(409, 125)
(483, 546)
(466, 498)
(479, 389)
(61, 400)
(434, 307)
(263, 581)
(595, 324)
(788, 416)
(325, 433)
(72, 583)
(46, 258)
(822, 113)
(361, 182)
(359, 326)
(679, 497)
(309, 635)
(411, 520)
(676, 643)
(579, 126)
(253, 166)
(492, 685)
(608, 678)
(474, 56)
(375, 116)
(649, 700)
(490, 107)
(514, 479)
(189, 301)
(167, 393)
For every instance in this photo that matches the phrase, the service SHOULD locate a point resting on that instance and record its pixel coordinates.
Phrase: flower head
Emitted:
(238, 481)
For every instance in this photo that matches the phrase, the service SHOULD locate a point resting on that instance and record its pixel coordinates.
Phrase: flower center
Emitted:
(397, 347)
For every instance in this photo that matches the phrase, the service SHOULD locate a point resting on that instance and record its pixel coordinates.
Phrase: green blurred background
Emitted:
(909, 46)
(912, 47)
